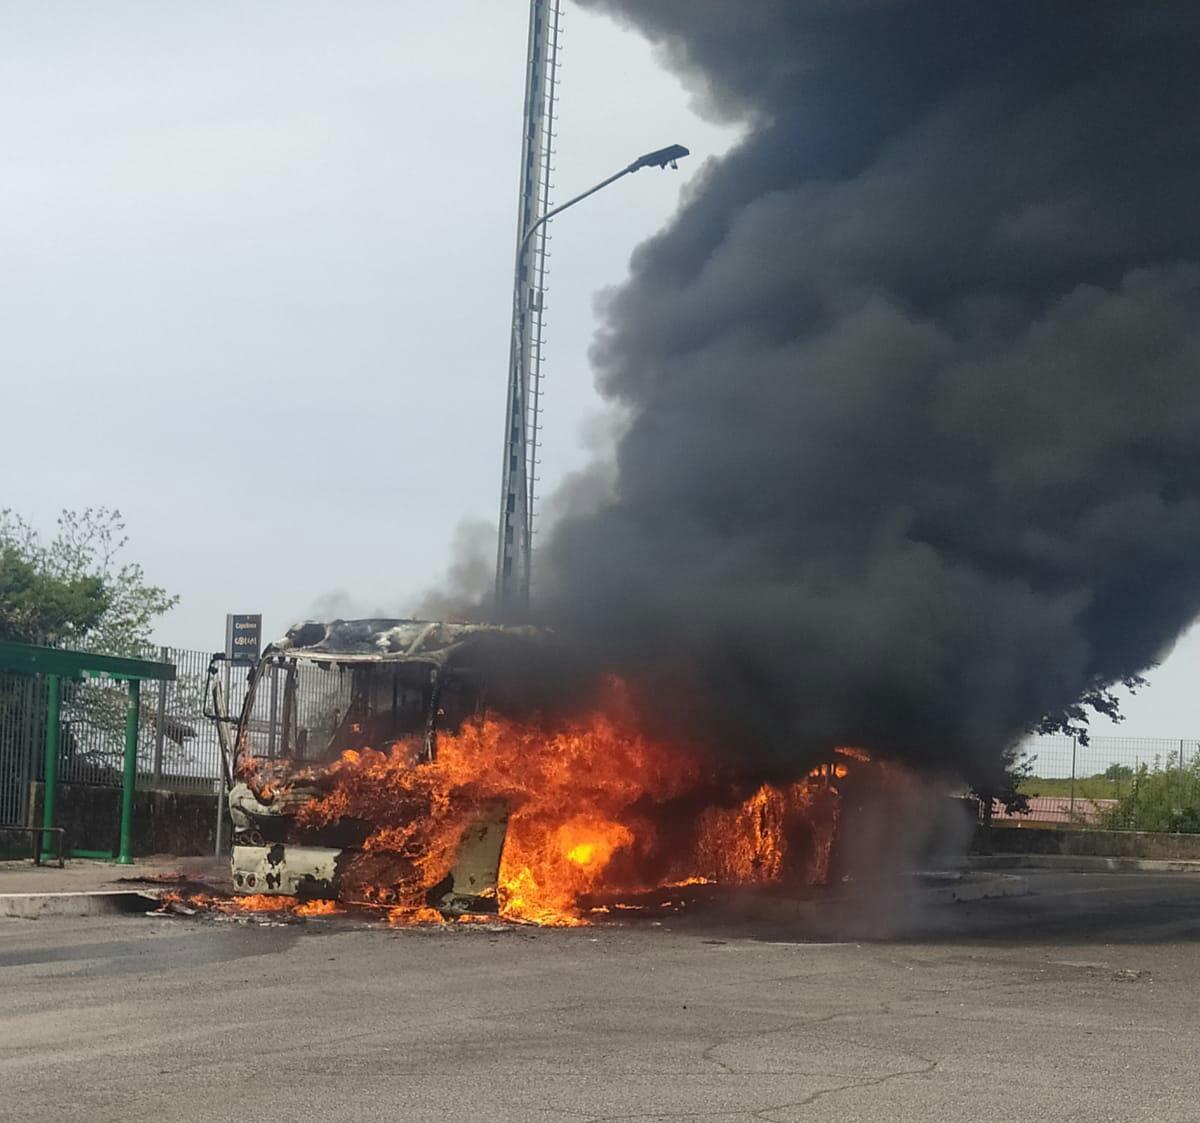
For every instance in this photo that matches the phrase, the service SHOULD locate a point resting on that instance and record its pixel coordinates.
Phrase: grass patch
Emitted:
(1086, 787)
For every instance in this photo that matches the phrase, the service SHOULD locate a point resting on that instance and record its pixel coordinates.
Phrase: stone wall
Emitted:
(1087, 843)
(164, 822)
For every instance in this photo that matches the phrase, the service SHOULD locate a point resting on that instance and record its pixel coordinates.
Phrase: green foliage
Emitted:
(75, 586)
(76, 590)
(1013, 782)
(1165, 797)
(1099, 698)
(37, 607)
(1118, 772)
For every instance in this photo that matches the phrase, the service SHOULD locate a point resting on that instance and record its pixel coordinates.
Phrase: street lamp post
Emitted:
(671, 155)
(515, 546)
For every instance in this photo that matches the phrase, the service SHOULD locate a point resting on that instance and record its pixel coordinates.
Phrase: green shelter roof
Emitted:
(28, 659)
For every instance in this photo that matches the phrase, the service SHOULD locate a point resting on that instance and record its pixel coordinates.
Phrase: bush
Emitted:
(1163, 798)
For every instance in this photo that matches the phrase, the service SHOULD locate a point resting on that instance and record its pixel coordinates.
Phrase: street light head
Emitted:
(661, 158)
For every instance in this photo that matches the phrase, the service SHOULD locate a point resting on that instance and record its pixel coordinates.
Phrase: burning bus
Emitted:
(321, 695)
(432, 768)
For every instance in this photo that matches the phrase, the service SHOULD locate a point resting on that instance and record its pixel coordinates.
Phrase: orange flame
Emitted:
(403, 914)
(318, 908)
(254, 902)
(594, 807)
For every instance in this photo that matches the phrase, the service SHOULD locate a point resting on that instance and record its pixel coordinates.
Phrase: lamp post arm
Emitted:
(660, 158)
(516, 519)
(570, 203)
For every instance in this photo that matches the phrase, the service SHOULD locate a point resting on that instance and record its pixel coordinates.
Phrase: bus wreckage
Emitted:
(325, 689)
(438, 770)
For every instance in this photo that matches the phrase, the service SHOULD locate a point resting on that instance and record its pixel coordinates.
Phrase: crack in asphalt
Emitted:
(825, 1019)
(926, 1066)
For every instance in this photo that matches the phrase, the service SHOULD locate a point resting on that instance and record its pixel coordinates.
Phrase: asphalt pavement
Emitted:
(1078, 1002)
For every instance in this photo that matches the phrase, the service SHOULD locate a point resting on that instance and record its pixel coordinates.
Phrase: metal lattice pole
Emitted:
(516, 493)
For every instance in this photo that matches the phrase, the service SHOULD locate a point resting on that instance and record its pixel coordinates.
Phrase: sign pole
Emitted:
(243, 642)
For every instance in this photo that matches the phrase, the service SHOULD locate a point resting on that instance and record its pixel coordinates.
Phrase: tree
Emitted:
(75, 587)
(1098, 698)
(36, 607)
(75, 590)
(1118, 772)
(1165, 797)
(1005, 783)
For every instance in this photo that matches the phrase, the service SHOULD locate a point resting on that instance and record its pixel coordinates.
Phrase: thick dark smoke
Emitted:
(913, 376)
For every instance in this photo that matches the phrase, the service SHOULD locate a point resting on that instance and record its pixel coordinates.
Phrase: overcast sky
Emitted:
(256, 284)
(258, 278)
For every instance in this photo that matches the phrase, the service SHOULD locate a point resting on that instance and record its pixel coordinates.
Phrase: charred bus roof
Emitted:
(377, 640)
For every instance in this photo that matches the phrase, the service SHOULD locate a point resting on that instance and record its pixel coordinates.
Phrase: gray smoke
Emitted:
(466, 592)
(913, 377)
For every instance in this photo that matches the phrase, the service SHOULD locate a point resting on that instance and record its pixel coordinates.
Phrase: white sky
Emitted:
(256, 284)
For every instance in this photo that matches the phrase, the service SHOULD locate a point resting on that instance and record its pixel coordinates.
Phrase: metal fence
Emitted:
(1121, 783)
(177, 746)
(22, 727)
(1112, 783)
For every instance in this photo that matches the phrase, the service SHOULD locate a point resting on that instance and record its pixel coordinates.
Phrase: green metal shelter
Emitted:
(56, 664)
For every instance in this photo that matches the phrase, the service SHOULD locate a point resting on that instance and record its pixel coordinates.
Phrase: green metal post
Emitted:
(125, 854)
(50, 787)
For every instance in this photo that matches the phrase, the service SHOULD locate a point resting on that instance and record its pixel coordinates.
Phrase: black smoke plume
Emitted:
(912, 378)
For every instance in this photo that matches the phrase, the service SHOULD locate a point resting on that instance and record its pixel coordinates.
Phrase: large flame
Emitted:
(594, 809)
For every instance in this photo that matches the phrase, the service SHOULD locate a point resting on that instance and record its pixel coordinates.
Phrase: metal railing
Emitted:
(177, 747)
(37, 836)
(22, 730)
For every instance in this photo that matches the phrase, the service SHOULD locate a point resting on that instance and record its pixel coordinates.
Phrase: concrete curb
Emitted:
(99, 902)
(957, 890)
(1081, 863)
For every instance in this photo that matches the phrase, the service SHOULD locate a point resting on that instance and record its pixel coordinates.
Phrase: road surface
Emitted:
(1079, 1002)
